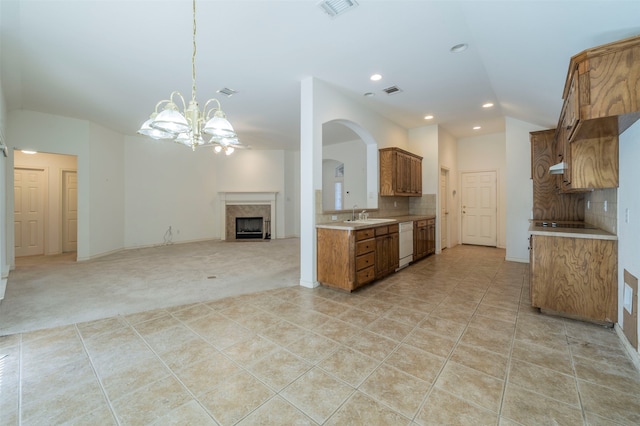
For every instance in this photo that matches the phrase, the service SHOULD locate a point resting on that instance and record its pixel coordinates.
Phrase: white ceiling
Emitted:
(110, 61)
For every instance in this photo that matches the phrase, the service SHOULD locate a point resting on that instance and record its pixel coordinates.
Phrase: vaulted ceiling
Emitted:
(110, 61)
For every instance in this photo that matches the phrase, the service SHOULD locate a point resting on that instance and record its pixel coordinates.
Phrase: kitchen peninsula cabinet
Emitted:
(601, 100)
(346, 257)
(400, 173)
(387, 258)
(575, 277)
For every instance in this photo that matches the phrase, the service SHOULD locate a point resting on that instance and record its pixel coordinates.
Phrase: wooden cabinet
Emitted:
(400, 173)
(424, 238)
(576, 277)
(348, 259)
(601, 100)
(431, 236)
(548, 202)
(387, 257)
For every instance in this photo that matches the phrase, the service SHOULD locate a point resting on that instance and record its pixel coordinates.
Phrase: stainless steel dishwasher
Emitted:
(406, 243)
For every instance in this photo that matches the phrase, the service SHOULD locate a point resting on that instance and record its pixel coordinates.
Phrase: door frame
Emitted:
(444, 221)
(63, 207)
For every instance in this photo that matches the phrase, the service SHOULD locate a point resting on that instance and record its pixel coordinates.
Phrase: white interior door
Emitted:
(444, 209)
(69, 211)
(479, 208)
(28, 214)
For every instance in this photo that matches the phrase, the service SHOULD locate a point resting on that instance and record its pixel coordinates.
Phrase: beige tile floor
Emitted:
(449, 340)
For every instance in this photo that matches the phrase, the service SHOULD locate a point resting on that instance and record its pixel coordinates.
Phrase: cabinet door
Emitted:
(575, 276)
(394, 252)
(382, 256)
(431, 237)
(416, 176)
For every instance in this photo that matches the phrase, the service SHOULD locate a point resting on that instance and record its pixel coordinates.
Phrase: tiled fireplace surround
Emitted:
(246, 204)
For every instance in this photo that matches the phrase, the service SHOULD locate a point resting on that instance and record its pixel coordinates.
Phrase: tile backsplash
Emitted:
(387, 206)
(601, 209)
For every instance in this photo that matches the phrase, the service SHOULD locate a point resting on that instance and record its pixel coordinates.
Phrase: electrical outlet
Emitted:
(334, 217)
(605, 205)
(588, 205)
(395, 204)
(626, 215)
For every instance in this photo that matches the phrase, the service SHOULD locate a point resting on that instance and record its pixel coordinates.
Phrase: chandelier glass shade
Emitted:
(191, 126)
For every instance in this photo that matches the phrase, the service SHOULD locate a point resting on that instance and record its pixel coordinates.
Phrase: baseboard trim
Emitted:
(633, 353)
(517, 259)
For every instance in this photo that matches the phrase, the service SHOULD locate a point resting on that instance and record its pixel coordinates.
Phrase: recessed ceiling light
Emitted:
(428, 117)
(459, 48)
(477, 127)
(28, 151)
(376, 77)
(487, 105)
(369, 94)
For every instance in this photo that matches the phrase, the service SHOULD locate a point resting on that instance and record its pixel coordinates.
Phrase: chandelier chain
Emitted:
(193, 57)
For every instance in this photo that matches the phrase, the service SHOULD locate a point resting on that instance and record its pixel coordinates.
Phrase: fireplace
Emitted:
(248, 205)
(248, 228)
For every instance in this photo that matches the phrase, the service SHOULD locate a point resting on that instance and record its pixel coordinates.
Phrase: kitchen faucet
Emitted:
(353, 212)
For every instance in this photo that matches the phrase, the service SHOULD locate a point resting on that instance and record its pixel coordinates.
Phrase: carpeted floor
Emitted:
(49, 291)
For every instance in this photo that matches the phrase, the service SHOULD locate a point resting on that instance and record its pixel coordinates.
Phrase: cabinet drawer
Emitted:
(363, 234)
(431, 221)
(381, 230)
(420, 223)
(366, 275)
(365, 261)
(394, 228)
(365, 246)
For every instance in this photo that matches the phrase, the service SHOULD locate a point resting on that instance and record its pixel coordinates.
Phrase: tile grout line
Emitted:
(172, 373)
(575, 374)
(97, 376)
(448, 358)
(509, 359)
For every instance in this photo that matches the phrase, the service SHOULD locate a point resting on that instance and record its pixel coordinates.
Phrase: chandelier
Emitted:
(192, 127)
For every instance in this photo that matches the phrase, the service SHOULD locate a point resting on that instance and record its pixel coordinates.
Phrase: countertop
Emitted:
(588, 231)
(353, 225)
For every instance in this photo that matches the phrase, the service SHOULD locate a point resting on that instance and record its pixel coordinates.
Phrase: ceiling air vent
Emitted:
(227, 91)
(392, 90)
(334, 8)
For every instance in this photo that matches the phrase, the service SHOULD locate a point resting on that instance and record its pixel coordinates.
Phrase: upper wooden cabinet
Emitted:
(548, 202)
(400, 173)
(601, 100)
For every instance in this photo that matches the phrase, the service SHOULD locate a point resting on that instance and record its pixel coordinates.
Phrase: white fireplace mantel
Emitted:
(246, 198)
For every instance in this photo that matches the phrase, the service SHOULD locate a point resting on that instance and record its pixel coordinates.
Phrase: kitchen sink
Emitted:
(371, 220)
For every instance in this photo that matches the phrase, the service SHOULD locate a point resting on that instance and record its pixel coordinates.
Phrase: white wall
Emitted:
(448, 158)
(106, 202)
(4, 263)
(353, 155)
(628, 198)
(53, 165)
(519, 185)
(292, 191)
(484, 153)
(168, 185)
(423, 141)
